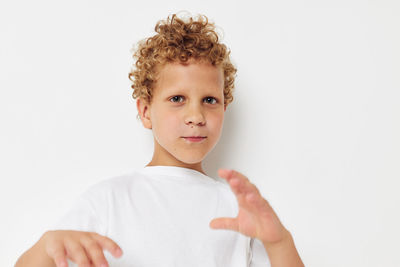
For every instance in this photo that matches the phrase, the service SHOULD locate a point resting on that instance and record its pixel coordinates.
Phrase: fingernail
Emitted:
(118, 251)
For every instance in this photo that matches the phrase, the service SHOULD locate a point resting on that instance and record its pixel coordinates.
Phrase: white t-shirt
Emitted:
(160, 215)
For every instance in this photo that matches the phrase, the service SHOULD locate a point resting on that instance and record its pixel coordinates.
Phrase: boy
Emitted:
(170, 213)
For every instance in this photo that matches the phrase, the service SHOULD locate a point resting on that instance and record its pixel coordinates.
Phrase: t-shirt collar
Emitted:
(177, 172)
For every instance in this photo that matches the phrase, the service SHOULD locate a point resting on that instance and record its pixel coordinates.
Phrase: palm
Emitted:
(246, 222)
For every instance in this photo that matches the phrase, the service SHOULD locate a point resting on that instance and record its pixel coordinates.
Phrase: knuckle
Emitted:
(94, 234)
(55, 251)
(92, 245)
(76, 251)
(52, 248)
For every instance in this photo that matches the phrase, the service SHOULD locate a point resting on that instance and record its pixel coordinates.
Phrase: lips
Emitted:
(194, 138)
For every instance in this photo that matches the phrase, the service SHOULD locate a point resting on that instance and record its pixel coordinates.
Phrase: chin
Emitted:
(192, 159)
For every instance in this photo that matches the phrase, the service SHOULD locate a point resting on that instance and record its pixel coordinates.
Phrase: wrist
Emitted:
(283, 252)
(286, 238)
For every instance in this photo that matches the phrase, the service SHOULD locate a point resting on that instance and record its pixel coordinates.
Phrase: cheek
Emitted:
(170, 124)
(215, 122)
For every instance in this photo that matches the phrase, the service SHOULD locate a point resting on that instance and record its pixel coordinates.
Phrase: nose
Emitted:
(194, 116)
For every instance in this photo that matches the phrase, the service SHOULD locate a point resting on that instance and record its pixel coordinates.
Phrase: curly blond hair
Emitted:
(178, 39)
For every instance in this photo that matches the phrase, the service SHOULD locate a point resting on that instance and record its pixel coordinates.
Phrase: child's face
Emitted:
(187, 101)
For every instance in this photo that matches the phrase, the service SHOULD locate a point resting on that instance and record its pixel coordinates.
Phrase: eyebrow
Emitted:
(183, 91)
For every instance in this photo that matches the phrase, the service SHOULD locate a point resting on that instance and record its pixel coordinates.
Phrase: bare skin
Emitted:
(188, 100)
(83, 248)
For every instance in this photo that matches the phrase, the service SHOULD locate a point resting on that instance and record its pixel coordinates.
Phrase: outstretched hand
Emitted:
(256, 218)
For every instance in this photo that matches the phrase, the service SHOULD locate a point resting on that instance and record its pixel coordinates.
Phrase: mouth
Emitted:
(194, 138)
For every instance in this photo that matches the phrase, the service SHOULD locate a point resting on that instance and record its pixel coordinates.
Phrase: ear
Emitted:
(143, 108)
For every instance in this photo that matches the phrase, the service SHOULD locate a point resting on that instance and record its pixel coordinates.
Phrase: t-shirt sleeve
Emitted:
(84, 214)
(259, 256)
(81, 216)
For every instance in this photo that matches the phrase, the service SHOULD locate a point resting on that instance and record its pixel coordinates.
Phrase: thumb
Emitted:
(224, 223)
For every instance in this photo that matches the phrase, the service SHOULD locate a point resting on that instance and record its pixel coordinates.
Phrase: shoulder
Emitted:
(113, 185)
(226, 191)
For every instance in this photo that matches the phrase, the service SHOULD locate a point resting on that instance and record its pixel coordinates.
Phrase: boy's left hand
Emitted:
(256, 218)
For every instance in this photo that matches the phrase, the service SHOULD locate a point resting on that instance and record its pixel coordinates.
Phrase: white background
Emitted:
(315, 122)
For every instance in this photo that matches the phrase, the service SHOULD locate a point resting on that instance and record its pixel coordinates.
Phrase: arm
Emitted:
(283, 253)
(257, 219)
(60, 245)
(36, 256)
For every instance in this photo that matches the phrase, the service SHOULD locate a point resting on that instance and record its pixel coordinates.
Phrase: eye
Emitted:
(211, 98)
(175, 97)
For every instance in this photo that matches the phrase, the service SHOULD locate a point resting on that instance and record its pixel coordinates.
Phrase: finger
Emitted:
(249, 197)
(242, 189)
(95, 252)
(239, 183)
(108, 244)
(252, 189)
(237, 188)
(225, 223)
(225, 173)
(77, 253)
(57, 252)
(240, 196)
(230, 174)
(248, 187)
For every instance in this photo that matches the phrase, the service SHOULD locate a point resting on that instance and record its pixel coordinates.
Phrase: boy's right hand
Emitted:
(83, 248)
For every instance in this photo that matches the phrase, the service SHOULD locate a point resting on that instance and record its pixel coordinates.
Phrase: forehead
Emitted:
(194, 75)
